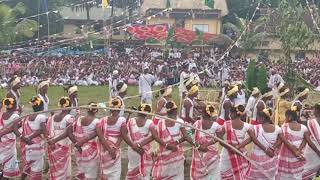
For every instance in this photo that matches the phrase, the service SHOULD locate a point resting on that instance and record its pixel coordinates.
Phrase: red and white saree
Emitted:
(290, 167)
(205, 165)
(169, 164)
(88, 160)
(59, 157)
(234, 166)
(8, 151)
(312, 159)
(111, 168)
(139, 167)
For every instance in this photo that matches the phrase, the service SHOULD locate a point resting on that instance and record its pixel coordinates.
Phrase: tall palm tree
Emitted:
(11, 28)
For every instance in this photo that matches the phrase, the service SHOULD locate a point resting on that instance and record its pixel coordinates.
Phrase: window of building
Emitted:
(200, 27)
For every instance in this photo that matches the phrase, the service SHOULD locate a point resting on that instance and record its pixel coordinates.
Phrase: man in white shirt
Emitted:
(241, 95)
(274, 79)
(146, 81)
(113, 81)
(183, 76)
(252, 102)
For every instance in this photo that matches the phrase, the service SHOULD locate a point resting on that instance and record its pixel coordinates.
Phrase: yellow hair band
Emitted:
(115, 103)
(143, 108)
(67, 102)
(72, 90)
(10, 105)
(266, 112)
(194, 89)
(36, 101)
(233, 90)
(209, 112)
(294, 108)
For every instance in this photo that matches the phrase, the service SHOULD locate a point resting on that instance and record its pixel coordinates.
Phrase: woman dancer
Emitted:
(14, 92)
(59, 151)
(205, 158)
(87, 156)
(282, 104)
(266, 138)
(111, 130)
(234, 166)
(73, 96)
(261, 105)
(312, 166)
(139, 128)
(227, 104)
(291, 160)
(32, 144)
(170, 135)
(8, 151)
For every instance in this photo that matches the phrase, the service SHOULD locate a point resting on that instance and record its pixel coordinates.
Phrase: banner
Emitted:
(141, 32)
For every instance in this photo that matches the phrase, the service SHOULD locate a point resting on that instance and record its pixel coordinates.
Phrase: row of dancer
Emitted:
(277, 153)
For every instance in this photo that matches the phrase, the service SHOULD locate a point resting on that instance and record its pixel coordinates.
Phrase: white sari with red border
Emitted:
(267, 164)
(234, 166)
(169, 164)
(205, 165)
(139, 167)
(312, 165)
(8, 151)
(111, 168)
(290, 167)
(88, 160)
(60, 157)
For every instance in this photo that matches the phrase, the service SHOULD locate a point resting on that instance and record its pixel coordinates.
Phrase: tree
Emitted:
(250, 83)
(293, 33)
(251, 36)
(11, 28)
(262, 78)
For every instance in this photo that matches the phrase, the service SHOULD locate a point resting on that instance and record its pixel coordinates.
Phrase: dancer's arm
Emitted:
(310, 143)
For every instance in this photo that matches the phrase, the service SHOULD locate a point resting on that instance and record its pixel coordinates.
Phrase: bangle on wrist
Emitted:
(139, 145)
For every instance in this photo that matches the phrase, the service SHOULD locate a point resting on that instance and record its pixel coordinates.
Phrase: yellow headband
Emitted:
(294, 108)
(173, 107)
(255, 91)
(117, 101)
(123, 88)
(10, 105)
(233, 90)
(143, 107)
(304, 92)
(210, 113)
(168, 91)
(36, 101)
(15, 81)
(284, 92)
(194, 89)
(72, 90)
(266, 112)
(66, 104)
(43, 84)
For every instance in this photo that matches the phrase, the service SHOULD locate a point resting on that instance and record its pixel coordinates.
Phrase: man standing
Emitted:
(113, 81)
(146, 81)
(183, 76)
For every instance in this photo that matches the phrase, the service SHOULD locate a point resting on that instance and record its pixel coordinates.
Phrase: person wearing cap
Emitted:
(146, 81)
(32, 144)
(8, 155)
(205, 160)
(231, 94)
(14, 92)
(261, 105)
(252, 101)
(183, 77)
(170, 135)
(59, 149)
(282, 104)
(188, 106)
(139, 132)
(83, 135)
(303, 93)
(166, 93)
(111, 130)
(113, 81)
(241, 95)
(42, 91)
(122, 91)
(73, 96)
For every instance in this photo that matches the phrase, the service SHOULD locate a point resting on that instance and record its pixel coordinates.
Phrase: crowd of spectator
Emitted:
(96, 70)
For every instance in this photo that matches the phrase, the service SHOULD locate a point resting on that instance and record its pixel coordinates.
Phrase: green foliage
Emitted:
(250, 83)
(262, 78)
(209, 3)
